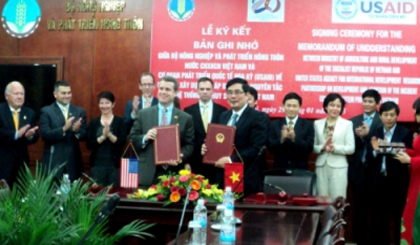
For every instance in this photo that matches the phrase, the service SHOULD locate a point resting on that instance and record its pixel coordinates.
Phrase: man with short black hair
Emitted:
(253, 97)
(251, 133)
(291, 139)
(63, 126)
(143, 133)
(203, 112)
(363, 126)
(389, 178)
(17, 130)
(147, 86)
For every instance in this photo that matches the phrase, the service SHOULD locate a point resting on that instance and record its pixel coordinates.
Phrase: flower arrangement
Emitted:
(172, 188)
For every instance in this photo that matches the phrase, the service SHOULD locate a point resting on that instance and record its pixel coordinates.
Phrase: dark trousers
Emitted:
(360, 189)
(389, 197)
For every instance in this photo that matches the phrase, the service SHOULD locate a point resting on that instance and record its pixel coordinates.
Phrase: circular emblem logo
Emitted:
(346, 9)
(181, 10)
(20, 18)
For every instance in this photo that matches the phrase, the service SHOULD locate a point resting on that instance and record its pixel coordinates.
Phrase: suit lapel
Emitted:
(225, 119)
(23, 117)
(298, 127)
(9, 116)
(337, 129)
(175, 116)
(154, 116)
(196, 110)
(59, 113)
(376, 121)
(243, 117)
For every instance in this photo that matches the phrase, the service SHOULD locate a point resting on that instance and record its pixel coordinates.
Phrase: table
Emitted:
(167, 218)
(269, 227)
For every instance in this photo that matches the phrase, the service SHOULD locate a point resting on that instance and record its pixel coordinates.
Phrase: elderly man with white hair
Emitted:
(17, 130)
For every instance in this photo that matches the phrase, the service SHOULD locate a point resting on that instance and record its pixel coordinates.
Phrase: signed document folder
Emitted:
(167, 144)
(219, 142)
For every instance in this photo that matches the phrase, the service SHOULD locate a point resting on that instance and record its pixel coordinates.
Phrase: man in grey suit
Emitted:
(147, 86)
(363, 126)
(142, 133)
(62, 126)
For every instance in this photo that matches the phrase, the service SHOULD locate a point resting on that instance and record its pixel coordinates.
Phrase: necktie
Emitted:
(65, 113)
(368, 121)
(147, 103)
(234, 118)
(204, 117)
(383, 167)
(16, 119)
(290, 125)
(164, 120)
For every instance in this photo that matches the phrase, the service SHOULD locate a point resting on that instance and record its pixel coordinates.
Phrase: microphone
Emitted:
(273, 186)
(182, 214)
(106, 210)
(249, 168)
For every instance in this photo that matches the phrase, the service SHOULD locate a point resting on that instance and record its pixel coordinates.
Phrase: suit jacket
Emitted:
(129, 107)
(250, 137)
(343, 141)
(62, 147)
(147, 119)
(361, 144)
(117, 128)
(13, 153)
(395, 170)
(199, 131)
(289, 154)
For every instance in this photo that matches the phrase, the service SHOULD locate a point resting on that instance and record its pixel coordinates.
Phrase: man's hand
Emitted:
(76, 125)
(135, 105)
(221, 162)
(151, 134)
(174, 162)
(362, 130)
(403, 157)
(375, 143)
(23, 130)
(283, 133)
(68, 124)
(187, 166)
(203, 149)
(31, 132)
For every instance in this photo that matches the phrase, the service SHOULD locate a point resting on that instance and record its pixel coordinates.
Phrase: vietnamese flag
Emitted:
(233, 176)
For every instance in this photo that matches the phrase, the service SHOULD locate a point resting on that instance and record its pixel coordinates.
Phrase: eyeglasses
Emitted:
(235, 92)
(147, 84)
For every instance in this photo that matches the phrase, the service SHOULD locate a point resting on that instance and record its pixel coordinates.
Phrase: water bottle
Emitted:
(200, 215)
(194, 231)
(229, 199)
(227, 229)
(65, 185)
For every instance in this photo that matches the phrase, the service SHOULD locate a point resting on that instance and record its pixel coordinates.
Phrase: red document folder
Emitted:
(167, 145)
(219, 142)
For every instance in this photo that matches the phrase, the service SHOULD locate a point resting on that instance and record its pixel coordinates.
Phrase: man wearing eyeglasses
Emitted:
(146, 85)
(251, 134)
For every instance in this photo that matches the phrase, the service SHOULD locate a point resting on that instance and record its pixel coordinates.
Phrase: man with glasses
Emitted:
(250, 137)
(146, 85)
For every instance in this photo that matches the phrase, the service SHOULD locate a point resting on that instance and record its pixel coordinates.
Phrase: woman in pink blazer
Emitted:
(334, 139)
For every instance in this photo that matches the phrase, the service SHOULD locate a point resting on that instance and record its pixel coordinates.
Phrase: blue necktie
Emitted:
(234, 118)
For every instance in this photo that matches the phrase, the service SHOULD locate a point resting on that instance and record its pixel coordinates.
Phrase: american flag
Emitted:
(129, 173)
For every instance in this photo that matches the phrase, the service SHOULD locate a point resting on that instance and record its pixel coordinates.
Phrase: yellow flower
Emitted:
(184, 172)
(139, 193)
(151, 191)
(207, 192)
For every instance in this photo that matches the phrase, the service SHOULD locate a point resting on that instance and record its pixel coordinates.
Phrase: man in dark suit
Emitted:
(250, 137)
(203, 112)
(363, 125)
(389, 177)
(291, 139)
(146, 85)
(142, 133)
(17, 130)
(63, 126)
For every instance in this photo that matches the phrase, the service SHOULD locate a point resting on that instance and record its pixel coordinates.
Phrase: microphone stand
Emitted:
(182, 215)
(249, 169)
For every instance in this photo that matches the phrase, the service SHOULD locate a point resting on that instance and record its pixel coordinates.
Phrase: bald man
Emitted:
(17, 130)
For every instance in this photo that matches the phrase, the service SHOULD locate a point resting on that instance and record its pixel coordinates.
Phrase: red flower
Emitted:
(192, 175)
(193, 195)
(200, 179)
(208, 186)
(153, 187)
(165, 183)
(160, 197)
(172, 179)
(182, 191)
(174, 188)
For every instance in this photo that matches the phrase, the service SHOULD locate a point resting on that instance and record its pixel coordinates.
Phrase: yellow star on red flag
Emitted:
(234, 177)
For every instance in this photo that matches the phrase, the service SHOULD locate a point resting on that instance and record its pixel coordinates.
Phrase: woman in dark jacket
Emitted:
(106, 138)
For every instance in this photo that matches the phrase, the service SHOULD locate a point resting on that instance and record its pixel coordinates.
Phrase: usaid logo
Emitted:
(395, 12)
